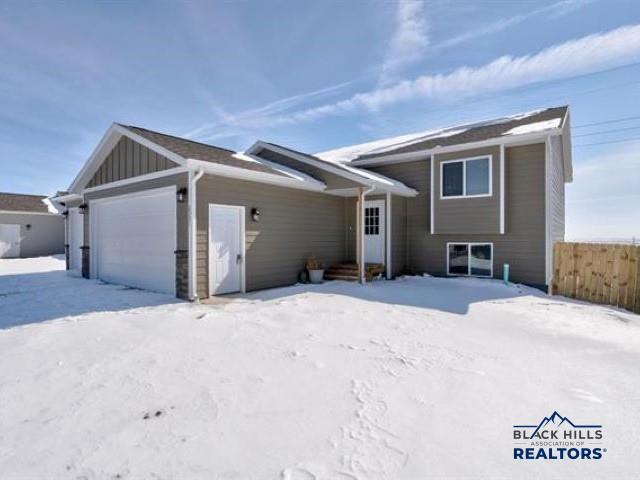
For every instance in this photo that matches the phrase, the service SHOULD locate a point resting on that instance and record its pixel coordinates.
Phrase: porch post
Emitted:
(361, 276)
(387, 230)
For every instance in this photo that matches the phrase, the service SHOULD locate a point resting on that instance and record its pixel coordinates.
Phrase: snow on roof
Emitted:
(534, 127)
(483, 130)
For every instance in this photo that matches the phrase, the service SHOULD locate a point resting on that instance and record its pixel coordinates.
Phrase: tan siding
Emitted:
(294, 224)
(128, 159)
(398, 235)
(522, 246)
(468, 215)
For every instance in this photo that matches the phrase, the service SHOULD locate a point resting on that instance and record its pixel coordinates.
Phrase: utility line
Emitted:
(625, 119)
(606, 131)
(637, 139)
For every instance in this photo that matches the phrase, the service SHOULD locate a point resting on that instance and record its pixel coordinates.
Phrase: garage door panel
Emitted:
(135, 240)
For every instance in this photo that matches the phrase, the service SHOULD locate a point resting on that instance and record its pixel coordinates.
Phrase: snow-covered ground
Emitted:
(411, 379)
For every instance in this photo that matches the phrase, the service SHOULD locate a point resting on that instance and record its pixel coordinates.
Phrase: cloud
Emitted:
(409, 40)
(555, 10)
(590, 54)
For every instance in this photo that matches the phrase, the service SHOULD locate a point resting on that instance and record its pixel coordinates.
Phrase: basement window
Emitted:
(464, 178)
(470, 259)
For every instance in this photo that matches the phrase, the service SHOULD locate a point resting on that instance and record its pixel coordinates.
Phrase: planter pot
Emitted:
(315, 276)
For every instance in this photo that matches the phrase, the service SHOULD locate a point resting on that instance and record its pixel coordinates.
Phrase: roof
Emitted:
(363, 176)
(23, 203)
(201, 151)
(538, 121)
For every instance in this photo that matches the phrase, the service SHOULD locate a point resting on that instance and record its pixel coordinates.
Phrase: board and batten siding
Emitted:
(294, 225)
(129, 159)
(523, 244)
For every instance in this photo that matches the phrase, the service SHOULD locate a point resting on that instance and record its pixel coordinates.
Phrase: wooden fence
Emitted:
(598, 273)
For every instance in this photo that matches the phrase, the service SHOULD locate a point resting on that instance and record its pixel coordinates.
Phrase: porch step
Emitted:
(349, 271)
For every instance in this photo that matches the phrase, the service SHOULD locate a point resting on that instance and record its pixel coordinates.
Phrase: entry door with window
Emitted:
(374, 231)
(226, 249)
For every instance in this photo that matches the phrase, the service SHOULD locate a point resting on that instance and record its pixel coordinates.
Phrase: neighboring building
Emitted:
(29, 226)
(169, 214)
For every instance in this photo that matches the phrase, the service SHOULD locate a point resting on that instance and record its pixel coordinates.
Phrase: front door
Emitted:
(374, 231)
(226, 249)
(9, 240)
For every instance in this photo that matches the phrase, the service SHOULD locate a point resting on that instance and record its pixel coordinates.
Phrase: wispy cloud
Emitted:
(409, 42)
(581, 56)
(555, 10)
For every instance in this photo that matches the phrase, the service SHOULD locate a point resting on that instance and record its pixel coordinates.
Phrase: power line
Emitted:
(606, 122)
(606, 131)
(637, 139)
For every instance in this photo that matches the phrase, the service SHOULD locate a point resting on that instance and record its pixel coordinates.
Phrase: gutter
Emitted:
(192, 248)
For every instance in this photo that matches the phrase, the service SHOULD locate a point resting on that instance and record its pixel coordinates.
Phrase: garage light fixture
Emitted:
(83, 208)
(255, 214)
(181, 194)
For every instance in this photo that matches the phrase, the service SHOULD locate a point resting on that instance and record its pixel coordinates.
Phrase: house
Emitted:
(173, 215)
(30, 226)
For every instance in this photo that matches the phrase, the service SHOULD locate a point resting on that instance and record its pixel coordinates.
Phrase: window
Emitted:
(469, 177)
(372, 221)
(474, 259)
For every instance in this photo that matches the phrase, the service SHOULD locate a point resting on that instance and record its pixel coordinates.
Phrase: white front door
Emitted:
(9, 240)
(226, 249)
(133, 238)
(374, 231)
(76, 236)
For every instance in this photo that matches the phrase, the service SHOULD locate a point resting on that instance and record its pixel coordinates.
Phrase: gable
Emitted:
(129, 159)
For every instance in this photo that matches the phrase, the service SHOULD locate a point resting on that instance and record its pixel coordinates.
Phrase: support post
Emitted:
(387, 230)
(361, 276)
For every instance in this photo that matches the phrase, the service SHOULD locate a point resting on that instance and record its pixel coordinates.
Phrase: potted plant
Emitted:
(316, 272)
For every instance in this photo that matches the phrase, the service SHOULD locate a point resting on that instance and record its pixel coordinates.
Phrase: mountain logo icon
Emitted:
(554, 422)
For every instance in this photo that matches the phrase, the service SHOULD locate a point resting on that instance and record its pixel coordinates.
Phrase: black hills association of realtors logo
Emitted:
(557, 438)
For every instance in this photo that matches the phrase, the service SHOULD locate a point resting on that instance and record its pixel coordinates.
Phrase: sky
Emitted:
(319, 75)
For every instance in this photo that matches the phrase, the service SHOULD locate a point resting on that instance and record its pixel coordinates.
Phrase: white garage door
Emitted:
(9, 240)
(134, 239)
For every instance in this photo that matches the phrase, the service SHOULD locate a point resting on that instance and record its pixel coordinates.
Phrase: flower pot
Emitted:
(315, 276)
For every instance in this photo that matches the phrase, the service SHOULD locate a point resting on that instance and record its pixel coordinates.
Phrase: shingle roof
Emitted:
(538, 121)
(23, 203)
(200, 151)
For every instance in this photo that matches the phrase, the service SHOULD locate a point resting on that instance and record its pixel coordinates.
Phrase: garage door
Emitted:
(134, 239)
(9, 240)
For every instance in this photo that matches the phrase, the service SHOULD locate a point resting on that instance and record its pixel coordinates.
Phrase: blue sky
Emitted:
(318, 75)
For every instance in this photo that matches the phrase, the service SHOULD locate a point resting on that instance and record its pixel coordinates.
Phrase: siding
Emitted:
(45, 236)
(398, 235)
(129, 159)
(468, 215)
(294, 225)
(522, 245)
(556, 191)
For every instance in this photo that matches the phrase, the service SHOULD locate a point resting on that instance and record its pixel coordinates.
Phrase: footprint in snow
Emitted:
(584, 395)
(297, 474)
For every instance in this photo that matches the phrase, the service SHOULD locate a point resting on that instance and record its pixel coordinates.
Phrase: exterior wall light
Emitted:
(255, 214)
(82, 209)
(181, 194)
(28, 226)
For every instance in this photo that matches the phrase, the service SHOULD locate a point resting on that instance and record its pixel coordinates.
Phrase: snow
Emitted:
(415, 378)
(51, 208)
(534, 127)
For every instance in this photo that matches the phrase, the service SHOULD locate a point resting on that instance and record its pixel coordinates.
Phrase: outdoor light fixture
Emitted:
(28, 226)
(255, 214)
(65, 213)
(83, 208)
(181, 194)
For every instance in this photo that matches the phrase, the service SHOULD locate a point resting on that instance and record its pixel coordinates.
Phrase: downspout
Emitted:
(363, 193)
(192, 248)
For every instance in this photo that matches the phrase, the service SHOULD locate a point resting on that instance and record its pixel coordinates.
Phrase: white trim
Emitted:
(502, 190)
(243, 246)
(464, 177)
(388, 236)
(469, 245)
(524, 139)
(66, 198)
(547, 211)
(192, 248)
(255, 176)
(20, 212)
(93, 271)
(432, 218)
(138, 179)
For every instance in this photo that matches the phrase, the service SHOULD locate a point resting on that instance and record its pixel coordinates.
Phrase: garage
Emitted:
(133, 239)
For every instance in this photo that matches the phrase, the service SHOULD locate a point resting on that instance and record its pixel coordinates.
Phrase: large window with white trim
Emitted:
(470, 259)
(467, 177)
